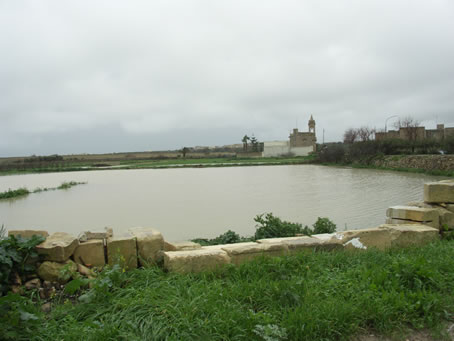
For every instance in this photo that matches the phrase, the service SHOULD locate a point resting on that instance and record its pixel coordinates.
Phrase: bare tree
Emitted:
(409, 127)
(366, 133)
(350, 135)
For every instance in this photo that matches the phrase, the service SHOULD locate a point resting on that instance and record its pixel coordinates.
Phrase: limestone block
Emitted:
(222, 246)
(181, 246)
(90, 253)
(450, 207)
(195, 260)
(280, 240)
(89, 235)
(28, 233)
(149, 243)
(364, 239)
(439, 192)
(433, 224)
(410, 234)
(58, 247)
(240, 253)
(122, 250)
(446, 217)
(420, 214)
(57, 272)
(323, 236)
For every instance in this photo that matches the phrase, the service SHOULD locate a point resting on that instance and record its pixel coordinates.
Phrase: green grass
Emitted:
(166, 163)
(14, 193)
(317, 296)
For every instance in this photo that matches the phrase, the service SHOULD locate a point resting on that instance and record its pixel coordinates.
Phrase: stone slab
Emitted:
(364, 239)
(58, 247)
(446, 216)
(433, 224)
(411, 234)
(28, 233)
(240, 253)
(181, 246)
(413, 213)
(149, 243)
(89, 235)
(122, 250)
(195, 260)
(90, 253)
(439, 192)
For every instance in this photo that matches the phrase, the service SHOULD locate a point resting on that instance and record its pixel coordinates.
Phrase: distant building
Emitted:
(299, 143)
(421, 133)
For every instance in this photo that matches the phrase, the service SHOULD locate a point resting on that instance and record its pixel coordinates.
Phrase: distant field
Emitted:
(82, 162)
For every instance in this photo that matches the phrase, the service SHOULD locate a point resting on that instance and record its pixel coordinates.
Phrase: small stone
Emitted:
(33, 284)
(17, 289)
(46, 307)
(47, 284)
(83, 270)
(42, 294)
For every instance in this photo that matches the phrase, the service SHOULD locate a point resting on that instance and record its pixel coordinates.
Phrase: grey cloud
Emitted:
(153, 70)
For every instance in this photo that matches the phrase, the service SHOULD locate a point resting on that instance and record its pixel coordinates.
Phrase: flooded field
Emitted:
(205, 202)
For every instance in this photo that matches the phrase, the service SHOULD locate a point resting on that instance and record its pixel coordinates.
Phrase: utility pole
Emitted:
(323, 136)
(388, 119)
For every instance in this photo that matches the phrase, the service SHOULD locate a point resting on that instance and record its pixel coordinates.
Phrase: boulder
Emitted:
(57, 272)
(90, 253)
(428, 216)
(242, 252)
(89, 235)
(195, 260)
(181, 246)
(149, 243)
(58, 247)
(439, 192)
(122, 250)
(28, 233)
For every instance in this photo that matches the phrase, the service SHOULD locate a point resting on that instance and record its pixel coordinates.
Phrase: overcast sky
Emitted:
(106, 76)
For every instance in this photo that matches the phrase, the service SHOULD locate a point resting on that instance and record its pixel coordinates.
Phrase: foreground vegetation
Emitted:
(20, 192)
(309, 296)
(270, 226)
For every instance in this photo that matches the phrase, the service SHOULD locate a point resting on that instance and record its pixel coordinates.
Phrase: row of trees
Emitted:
(254, 143)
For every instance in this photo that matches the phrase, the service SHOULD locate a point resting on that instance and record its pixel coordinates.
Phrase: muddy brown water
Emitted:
(205, 202)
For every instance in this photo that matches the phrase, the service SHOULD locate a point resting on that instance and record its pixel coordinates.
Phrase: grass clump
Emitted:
(9, 194)
(307, 296)
(67, 185)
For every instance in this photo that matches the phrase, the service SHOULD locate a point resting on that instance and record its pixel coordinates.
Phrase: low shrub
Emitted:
(17, 256)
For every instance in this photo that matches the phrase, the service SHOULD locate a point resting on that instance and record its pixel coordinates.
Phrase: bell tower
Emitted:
(311, 125)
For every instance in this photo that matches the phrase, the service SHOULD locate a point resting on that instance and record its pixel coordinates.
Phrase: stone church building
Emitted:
(299, 143)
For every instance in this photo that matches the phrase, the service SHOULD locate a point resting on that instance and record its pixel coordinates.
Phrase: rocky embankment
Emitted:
(424, 162)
